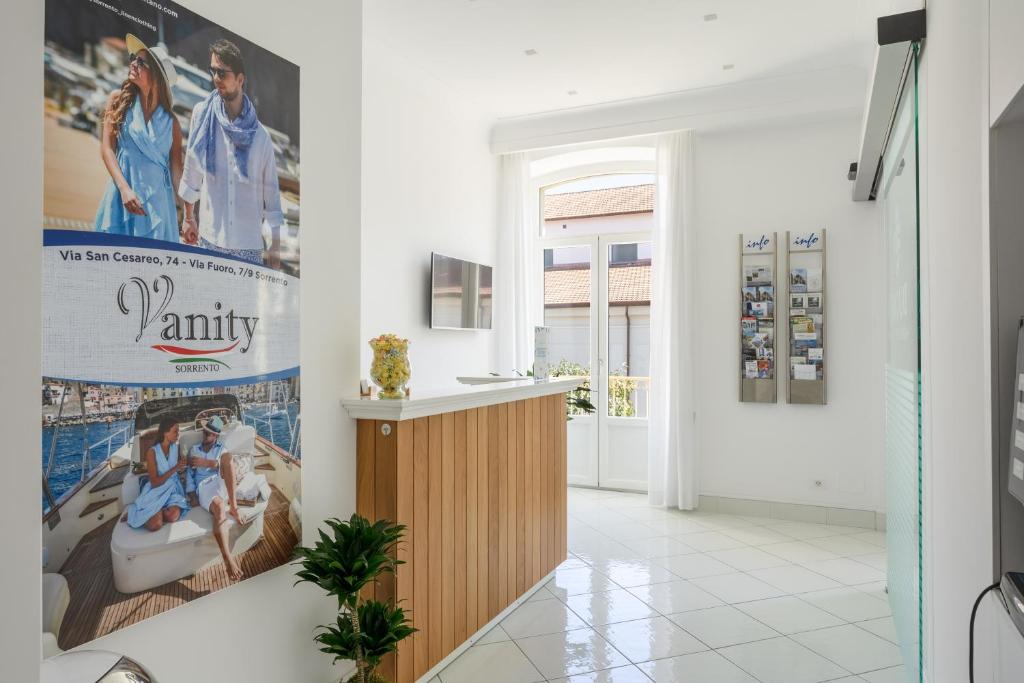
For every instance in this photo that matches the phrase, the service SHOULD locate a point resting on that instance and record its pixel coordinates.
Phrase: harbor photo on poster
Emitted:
(171, 445)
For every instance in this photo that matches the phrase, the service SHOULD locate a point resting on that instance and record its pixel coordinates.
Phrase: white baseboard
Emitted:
(794, 512)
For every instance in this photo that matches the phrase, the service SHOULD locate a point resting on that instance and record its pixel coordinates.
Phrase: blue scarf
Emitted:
(241, 132)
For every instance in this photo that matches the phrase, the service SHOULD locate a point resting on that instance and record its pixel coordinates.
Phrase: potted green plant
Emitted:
(577, 401)
(342, 564)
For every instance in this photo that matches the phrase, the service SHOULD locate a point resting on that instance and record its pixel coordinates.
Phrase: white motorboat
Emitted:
(101, 575)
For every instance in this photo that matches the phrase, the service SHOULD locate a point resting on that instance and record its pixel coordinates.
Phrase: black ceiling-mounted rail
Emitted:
(896, 34)
(908, 27)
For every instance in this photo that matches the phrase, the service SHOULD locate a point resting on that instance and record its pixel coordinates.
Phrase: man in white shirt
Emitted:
(211, 485)
(230, 168)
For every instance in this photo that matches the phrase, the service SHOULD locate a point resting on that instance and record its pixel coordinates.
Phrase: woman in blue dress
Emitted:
(141, 149)
(162, 498)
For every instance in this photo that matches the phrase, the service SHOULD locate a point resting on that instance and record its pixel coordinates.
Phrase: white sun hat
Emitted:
(161, 59)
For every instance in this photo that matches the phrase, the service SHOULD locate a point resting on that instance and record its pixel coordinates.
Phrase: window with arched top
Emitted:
(598, 204)
(596, 217)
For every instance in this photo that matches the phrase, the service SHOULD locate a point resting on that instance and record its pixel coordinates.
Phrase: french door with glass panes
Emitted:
(597, 301)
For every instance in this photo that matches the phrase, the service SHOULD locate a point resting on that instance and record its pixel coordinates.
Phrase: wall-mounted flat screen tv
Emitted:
(460, 294)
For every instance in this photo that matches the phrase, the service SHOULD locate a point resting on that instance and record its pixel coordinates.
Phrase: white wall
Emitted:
(429, 184)
(778, 178)
(956, 358)
(21, 34)
(957, 468)
(264, 624)
(1006, 73)
(1000, 642)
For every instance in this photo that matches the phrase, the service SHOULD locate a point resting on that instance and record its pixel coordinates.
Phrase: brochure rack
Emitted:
(805, 302)
(757, 366)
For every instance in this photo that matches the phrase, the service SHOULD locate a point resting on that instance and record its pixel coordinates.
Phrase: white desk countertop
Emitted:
(434, 402)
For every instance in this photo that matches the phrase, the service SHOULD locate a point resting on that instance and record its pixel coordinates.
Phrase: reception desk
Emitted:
(477, 474)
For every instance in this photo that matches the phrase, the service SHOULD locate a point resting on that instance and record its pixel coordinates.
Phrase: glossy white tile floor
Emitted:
(690, 597)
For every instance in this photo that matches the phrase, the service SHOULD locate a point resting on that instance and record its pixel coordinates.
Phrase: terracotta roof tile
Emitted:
(608, 202)
(566, 286)
(571, 286)
(627, 284)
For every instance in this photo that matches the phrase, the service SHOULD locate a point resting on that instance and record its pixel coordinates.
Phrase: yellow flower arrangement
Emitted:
(390, 368)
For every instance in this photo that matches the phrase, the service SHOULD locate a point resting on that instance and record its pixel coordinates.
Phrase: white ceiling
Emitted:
(612, 50)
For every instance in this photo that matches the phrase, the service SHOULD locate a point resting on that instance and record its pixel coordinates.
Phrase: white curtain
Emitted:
(515, 286)
(672, 455)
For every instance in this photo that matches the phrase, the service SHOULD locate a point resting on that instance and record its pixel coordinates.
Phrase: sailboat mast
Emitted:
(85, 431)
(56, 431)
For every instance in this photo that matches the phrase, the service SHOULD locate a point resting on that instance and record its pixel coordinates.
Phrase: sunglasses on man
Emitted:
(136, 58)
(220, 73)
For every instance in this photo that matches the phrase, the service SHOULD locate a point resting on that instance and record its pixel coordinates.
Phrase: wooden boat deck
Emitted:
(111, 479)
(96, 505)
(97, 608)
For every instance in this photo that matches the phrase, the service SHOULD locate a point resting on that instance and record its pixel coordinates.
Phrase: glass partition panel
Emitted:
(898, 192)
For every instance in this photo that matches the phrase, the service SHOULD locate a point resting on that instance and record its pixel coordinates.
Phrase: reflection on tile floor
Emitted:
(692, 597)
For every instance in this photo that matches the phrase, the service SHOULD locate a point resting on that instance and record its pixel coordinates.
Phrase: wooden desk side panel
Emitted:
(483, 515)
(461, 436)
(447, 578)
(366, 457)
(405, 590)
(482, 493)
(433, 627)
(470, 556)
(419, 530)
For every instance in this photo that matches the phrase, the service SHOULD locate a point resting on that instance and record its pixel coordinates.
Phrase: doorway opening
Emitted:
(596, 247)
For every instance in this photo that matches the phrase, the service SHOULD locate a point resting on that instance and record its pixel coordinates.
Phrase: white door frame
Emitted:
(587, 426)
(599, 158)
(607, 424)
(598, 428)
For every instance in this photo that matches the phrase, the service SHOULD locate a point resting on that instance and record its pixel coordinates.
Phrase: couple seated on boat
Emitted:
(210, 476)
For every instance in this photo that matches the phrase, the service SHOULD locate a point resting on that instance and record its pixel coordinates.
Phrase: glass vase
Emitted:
(390, 367)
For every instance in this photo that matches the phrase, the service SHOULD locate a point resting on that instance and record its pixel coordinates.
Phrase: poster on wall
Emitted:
(171, 434)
